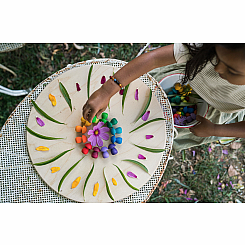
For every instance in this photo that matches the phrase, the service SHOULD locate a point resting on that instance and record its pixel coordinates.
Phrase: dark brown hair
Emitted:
(201, 55)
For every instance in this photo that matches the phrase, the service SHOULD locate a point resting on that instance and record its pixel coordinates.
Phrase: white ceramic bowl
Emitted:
(167, 83)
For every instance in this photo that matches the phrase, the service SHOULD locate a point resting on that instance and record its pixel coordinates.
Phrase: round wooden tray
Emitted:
(126, 150)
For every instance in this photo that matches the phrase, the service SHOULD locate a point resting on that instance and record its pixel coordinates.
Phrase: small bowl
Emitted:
(168, 82)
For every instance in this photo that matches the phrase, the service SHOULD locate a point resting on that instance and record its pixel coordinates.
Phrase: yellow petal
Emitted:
(42, 148)
(55, 169)
(96, 188)
(75, 182)
(114, 181)
(52, 99)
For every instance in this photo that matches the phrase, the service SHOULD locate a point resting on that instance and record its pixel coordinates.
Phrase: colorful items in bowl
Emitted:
(198, 104)
(183, 110)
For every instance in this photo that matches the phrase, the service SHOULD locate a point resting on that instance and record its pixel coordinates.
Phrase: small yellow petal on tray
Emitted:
(42, 148)
(52, 99)
(96, 188)
(55, 169)
(75, 182)
(114, 181)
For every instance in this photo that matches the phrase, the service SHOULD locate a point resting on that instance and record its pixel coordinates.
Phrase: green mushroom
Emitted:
(114, 121)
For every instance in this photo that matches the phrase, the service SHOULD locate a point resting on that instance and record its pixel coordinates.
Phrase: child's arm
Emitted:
(99, 100)
(207, 128)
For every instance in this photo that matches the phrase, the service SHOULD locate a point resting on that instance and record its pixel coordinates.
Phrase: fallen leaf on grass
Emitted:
(235, 145)
(78, 46)
(55, 51)
(7, 69)
(66, 46)
(232, 171)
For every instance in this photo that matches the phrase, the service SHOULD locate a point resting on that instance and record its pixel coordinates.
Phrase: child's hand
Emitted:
(203, 129)
(96, 104)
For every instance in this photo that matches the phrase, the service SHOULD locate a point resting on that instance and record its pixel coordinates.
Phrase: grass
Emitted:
(35, 62)
(204, 177)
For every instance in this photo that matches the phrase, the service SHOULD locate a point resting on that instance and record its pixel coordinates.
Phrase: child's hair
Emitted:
(201, 55)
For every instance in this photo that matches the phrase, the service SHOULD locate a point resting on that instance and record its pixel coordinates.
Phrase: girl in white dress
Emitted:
(216, 72)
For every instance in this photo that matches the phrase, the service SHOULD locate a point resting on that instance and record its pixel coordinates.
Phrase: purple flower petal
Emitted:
(130, 174)
(99, 141)
(219, 188)
(40, 121)
(145, 116)
(93, 140)
(149, 136)
(195, 199)
(193, 153)
(104, 136)
(104, 129)
(141, 156)
(91, 132)
(136, 94)
(99, 125)
(209, 149)
(78, 87)
(103, 80)
(225, 152)
(185, 191)
(121, 91)
(218, 176)
(188, 199)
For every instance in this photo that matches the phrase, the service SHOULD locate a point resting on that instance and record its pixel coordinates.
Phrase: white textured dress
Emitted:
(226, 100)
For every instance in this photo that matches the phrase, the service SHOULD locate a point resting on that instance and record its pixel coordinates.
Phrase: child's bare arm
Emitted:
(207, 128)
(99, 100)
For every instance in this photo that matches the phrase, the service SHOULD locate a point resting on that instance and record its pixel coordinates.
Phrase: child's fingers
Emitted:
(99, 112)
(91, 115)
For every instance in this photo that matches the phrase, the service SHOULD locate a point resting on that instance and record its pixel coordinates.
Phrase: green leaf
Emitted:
(142, 125)
(41, 136)
(146, 106)
(53, 159)
(190, 95)
(195, 96)
(150, 149)
(67, 172)
(176, 180)
(107, 187)
(41, 112)
(125, 178)
(91, 171)
(183, 104)
(183, 155)
(65, 94)
(137, 163)
(124, 96)
(88, 83)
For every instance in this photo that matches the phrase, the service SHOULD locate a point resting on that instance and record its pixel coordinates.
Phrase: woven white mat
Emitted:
(6, 47)
(19, 181)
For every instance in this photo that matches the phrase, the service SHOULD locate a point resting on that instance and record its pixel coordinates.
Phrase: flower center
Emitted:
(96, 132)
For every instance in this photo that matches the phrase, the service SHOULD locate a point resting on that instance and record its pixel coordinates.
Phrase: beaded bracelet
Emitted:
(115, 80)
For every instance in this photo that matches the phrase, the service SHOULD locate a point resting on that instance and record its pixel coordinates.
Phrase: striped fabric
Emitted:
(219, 93)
